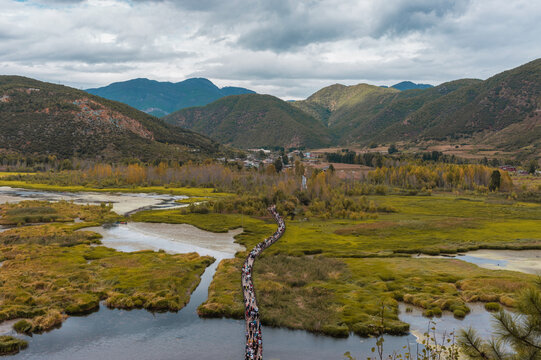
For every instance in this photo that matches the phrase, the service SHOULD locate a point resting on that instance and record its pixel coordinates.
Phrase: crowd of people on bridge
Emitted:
(254, 340)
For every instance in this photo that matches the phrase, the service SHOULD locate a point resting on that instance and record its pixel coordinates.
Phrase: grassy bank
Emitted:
(28, 212)
(254, 229)
(45, 283)
(338, 296)
(421, 224)
(4, 174)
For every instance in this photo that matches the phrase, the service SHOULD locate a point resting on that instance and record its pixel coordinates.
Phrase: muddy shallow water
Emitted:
(123, 203)
(478, 318)
(526, 261)
(173, 238)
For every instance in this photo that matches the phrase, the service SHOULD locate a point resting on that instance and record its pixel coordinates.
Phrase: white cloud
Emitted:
(288, 48)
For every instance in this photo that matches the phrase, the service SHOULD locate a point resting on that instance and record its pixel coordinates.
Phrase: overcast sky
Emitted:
(287, 48)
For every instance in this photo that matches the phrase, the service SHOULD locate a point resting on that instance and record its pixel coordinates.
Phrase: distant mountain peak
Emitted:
(160, 98)
(409, 85)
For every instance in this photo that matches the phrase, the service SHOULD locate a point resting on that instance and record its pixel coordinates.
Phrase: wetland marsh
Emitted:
(320, 265)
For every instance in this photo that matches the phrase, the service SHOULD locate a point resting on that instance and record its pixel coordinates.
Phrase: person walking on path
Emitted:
(254, 339)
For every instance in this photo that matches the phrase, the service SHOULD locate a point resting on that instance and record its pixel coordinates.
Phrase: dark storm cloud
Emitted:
(404, 17)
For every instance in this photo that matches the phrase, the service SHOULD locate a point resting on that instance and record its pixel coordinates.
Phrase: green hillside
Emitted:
(334, 104)
(43, 118)
(397, 109)
(162, 98)
(503, 111)
(511, 98)
(253, 120)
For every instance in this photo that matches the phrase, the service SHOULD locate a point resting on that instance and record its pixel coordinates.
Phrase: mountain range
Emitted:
(161, 98)
(504, 111)
(39, 118)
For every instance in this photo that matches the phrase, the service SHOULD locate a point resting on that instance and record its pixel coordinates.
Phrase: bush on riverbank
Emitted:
(10, 345)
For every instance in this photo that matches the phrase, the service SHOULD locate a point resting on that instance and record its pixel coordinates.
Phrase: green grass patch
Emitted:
(339, 296)
(431, 225)
(4, 174)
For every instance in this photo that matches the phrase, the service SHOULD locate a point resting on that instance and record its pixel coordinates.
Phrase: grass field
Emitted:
(35, 211)
(336, 296)
(332, 276)
(427, 224)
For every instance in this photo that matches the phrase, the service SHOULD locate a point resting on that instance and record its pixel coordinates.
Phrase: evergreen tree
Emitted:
(495, 180)
(518, 336)
(392, 149)
(532, 167)
(278, 164)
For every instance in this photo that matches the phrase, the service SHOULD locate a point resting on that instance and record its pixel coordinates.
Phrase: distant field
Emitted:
(461, 149)
(5, 174)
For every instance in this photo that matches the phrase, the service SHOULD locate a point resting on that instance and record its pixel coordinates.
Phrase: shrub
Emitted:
(492, 306)
(10, 345)
(336, 330)
(23, 327)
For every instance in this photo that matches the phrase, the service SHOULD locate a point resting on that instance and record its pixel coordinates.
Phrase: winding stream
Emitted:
(139, 334)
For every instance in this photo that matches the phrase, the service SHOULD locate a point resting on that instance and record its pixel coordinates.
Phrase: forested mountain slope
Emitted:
(42, 118)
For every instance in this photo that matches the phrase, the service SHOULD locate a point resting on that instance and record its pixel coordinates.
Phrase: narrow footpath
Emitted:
(254, 339)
